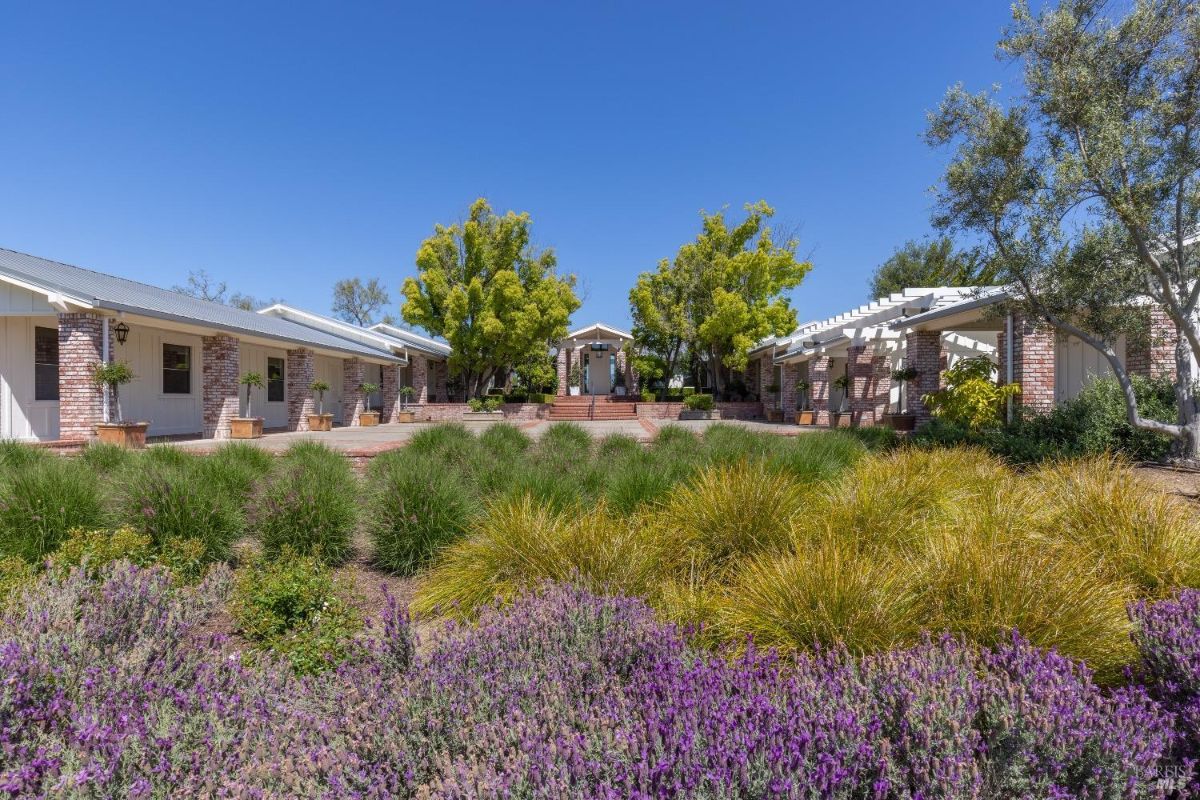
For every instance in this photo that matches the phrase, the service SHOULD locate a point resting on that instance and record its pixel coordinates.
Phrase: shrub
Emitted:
(415, 507)
(565, 440)
(15, 456)
(505, 439)
(816, 456)
(99, 548)
(293, 608)
(179, 500)
(15, 574)
(618, 445)
(106, 458)
(237, 468)
(451, 443)
(169, 455)
(649, 397)
(641, 478)
(42, 501)
(699, 402)
(309, 504)
(971, 398)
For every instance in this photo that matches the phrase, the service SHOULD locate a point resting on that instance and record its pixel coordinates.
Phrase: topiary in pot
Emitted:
(320, 421)
(368, 418)
(249, 426)
(111, 376)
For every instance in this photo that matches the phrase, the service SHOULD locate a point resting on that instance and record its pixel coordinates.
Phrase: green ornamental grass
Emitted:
(309, 503)
(44, 500)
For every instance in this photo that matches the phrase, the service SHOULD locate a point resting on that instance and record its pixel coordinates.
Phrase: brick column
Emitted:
(354, 401)
(1033, 363)
(766, 374)
(787, 390)
(440, 370)
(389, 393)
(619, 364)
(631, 375)
(80, 349)
(1151, 353)
(923, 352)
(870, 384)
(420, 379)
(220, 360)
(301, 372)
(819, 384)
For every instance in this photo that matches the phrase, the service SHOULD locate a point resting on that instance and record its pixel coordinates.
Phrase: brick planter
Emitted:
(690, 414)
(483, 417)
(131, 435)
(900, 422)
(246, 428)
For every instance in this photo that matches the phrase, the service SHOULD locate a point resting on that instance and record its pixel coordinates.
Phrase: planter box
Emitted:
(806, 417)
(573, 391)
(485, 417)
(123, 434)
(406, 416)
(774, 415)
(900, 422)
(320, 422)
(843, 419)
(245, 427)
(368, 419)
(688, 413)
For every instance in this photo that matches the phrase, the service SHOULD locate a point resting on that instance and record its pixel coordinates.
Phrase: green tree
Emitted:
(1086, 187)
(494, 297)
(662, 327)
(930, 263)
(357, 302)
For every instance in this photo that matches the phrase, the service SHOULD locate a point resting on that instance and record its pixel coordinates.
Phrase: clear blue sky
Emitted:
(283, 148)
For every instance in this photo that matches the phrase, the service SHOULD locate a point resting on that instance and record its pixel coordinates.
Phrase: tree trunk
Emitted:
(1186, 447)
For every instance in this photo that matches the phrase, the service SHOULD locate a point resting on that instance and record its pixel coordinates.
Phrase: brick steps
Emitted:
(579, 407)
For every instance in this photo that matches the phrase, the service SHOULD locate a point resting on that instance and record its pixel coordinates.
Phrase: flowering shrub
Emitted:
(112, 688)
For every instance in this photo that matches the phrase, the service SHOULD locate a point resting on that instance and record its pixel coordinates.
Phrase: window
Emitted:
(45, 363)
(177, 369)
(275, 380)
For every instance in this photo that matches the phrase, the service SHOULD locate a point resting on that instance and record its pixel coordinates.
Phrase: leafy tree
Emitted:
(732, 284)
(358, 303)
(494, 297)
(662, 327)
(930, 263)
(1086, 187)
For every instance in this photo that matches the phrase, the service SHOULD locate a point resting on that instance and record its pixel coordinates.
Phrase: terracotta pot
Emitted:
(406, 416)
(320, 422)
(131, 435)
(246, 428)
(806, 417)
(774, 415)
(368, 419)
(900, 422)
(843, 419)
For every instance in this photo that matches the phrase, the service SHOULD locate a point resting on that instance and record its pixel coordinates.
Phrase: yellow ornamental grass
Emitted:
(1135, 532)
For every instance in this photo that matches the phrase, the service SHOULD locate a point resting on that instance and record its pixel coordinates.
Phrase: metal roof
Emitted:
(412, 340)
(980, 297)
(87, 288)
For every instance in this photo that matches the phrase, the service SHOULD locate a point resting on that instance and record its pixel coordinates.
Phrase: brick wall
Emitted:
(1151, 353)
(453, 412)
(353, 398)
(300, 375)
(870, 384)
(80, 348)
(788, 393)
(820, 387)
(729, 410)
(389, 393)
(419, 367)
(1033, 363)
(220, 365)
(440, 372)
(766, 375)
(923, 352)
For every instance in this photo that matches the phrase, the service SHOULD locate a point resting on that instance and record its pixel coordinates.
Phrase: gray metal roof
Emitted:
(119, 294)
(412, 340)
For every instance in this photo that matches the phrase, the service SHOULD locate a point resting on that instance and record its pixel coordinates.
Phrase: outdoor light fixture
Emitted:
(122, 331)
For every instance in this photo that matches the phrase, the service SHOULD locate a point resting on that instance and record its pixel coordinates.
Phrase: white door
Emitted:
(599, 377)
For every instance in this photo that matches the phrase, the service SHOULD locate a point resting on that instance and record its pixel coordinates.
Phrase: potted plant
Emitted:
(484, 410)
(898, 419)
(841, 417)
(368, 418)
(575, 378)
(249, 426)
(774, 413)
(111, 376)
(405, 414)
(805, 415)
(320, 421)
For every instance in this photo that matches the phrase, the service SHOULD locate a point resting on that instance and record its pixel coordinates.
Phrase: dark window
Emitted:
(275, 380)
(177, 369)
(45, 363)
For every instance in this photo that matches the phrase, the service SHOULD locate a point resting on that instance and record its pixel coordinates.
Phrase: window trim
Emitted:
(58, 361)
(281, 380)
(165, 370)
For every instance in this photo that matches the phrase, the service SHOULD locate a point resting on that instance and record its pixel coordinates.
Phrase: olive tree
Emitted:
(1083, 187)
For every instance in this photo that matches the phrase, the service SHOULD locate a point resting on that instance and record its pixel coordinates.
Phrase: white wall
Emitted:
(144, 400)
(254, 359)
(329, 370)
(1077, 363)
(16, 300)
(21, 417)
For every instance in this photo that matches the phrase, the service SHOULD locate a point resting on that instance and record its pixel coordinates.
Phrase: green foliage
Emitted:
(106, 458)
(41, 502)
(15, 574)
(236, 467)
(112, 373)
(416, 507)
(930, 263)
(293, 608)
(169, 501)
(358, 303)
(505, 440)
(649, 397)
(319, 388)
(699, 402)
(252, 379)
(15, 455)
(484, 288)
(309, 504)
(971, 398)
(97, 548)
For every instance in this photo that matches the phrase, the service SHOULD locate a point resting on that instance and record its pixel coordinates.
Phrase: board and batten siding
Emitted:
(329, 369)
(144, 400)
(1077, 363)
(21, 416)
(254, 359)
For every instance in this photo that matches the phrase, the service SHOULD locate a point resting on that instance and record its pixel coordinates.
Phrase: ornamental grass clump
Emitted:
(15, 455)
(103, 458)
(414, 508)
(175, 498)
(44, 500)
(308, 503)
(237, 468)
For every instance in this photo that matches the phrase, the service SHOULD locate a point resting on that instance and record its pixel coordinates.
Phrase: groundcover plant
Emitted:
(113, 686)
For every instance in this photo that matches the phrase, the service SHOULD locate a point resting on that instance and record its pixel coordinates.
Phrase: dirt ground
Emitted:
(1181, 482)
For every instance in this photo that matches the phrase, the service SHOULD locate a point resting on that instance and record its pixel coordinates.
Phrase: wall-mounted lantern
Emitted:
(122, 332)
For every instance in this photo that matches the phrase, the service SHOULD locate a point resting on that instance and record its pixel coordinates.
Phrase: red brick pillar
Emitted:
(820, 382)
(80, 349)
(301, 372)
(766, 375)
(870, 385)
(220, 365)
(354, 400)
(560, 369)
(438, 393)
(389, 393)
(1151, 353)
(1032, 363)
(788, 391)
(420, 378)
(923, 352)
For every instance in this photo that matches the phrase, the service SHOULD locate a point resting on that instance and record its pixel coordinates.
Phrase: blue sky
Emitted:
(281, 148)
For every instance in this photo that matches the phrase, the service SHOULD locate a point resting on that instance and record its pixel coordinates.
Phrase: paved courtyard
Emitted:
(387, 437)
